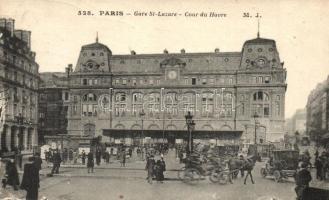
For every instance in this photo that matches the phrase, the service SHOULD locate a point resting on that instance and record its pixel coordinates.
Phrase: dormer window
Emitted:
(92, 54)
(101, 54)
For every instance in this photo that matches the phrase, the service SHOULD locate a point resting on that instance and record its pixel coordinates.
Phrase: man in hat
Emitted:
(31, 181)
(303, 178)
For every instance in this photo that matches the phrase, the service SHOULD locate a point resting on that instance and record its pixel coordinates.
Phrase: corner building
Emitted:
(19, 80)
(124, 96)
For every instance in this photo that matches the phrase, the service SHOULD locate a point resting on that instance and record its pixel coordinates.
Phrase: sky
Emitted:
(299, 27)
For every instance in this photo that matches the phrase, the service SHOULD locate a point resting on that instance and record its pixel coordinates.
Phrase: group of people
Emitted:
(155, 169)
(321, 164)
(30, 180)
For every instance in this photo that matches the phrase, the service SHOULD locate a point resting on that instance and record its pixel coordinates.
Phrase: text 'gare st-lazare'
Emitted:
(105, 94)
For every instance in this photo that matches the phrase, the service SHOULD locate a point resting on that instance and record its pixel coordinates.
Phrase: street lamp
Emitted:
(190, 126)
(256, 122)
(141, 115)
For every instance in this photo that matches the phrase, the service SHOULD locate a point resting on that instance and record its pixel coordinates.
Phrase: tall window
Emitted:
(137, 103)
(207, 104)
(89, 106)
(193, 81)
(120, 104)
(261, 104)
(124, 81)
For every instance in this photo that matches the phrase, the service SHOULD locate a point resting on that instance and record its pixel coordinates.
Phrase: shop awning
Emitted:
(325, 136)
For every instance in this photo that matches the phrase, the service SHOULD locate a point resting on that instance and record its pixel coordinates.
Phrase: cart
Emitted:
(281, 165)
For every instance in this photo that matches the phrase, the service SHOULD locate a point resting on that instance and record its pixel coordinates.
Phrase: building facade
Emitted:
(317, 112)
(19, 82)
(53, 96)
(110, 94)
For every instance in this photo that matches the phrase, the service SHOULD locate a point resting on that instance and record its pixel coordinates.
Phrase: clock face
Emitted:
(261, 62)
(172, 75)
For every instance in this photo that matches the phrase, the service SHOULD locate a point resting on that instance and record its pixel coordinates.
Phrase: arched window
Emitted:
(261, 104)
(89, 97)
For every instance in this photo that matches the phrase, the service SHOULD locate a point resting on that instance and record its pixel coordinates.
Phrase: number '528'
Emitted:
(85, 12)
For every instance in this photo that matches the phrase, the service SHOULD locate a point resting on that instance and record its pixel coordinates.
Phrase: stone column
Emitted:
(16, 138)
(25, 138)
(34, 133)
(8, 137)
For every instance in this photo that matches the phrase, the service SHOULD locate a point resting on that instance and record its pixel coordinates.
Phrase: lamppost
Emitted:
(256, 122)
(141, 115)
(190, 126)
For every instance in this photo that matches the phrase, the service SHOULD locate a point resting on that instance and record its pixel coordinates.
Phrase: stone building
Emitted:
(317, 112)
(19, 81)
(139, 95)
(53, 96)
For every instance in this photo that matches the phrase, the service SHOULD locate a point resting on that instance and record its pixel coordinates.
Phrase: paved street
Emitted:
(113, 182)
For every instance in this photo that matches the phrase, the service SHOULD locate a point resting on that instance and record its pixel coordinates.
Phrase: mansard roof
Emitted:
(193, 62)
(259, 40)
(95, 45)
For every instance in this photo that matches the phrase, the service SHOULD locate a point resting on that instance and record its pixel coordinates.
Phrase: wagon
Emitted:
(282, 164)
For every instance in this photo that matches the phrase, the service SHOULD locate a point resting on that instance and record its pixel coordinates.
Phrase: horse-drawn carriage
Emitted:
(281, 164)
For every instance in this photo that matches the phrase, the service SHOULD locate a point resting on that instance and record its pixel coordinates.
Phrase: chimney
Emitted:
(3, 23)
(165, 51)
(133, 52)
(217, 50)
(9, 25)
(26, 37)
(18, 34)
(69, 69)
(182, 51)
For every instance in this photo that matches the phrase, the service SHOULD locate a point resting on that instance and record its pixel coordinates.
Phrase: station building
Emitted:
(134, 97)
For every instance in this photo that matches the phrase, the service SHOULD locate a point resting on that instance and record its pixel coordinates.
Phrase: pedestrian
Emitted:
(130, 152)
(75, 157)
(248, 166)
(90, 162)
(12, 174)
(38, 160)
(83, 157)
(56, 159)
(123, 158)
(302, 178)
(161, 167)
(241, 170)
(65, 156)
(71, 155)
(150, 164)
(31, 181)
(107, 157)
(98, 156)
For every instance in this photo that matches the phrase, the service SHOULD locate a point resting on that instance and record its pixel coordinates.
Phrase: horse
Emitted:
(248, 164)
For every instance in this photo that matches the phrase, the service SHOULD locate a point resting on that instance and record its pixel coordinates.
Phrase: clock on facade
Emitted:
(172, 75)
(261, 62)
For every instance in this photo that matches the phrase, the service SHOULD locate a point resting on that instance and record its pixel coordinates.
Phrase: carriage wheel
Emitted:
(180, 173)
(219, 177)
(277, 176)
(191, 176)
(263, 172)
